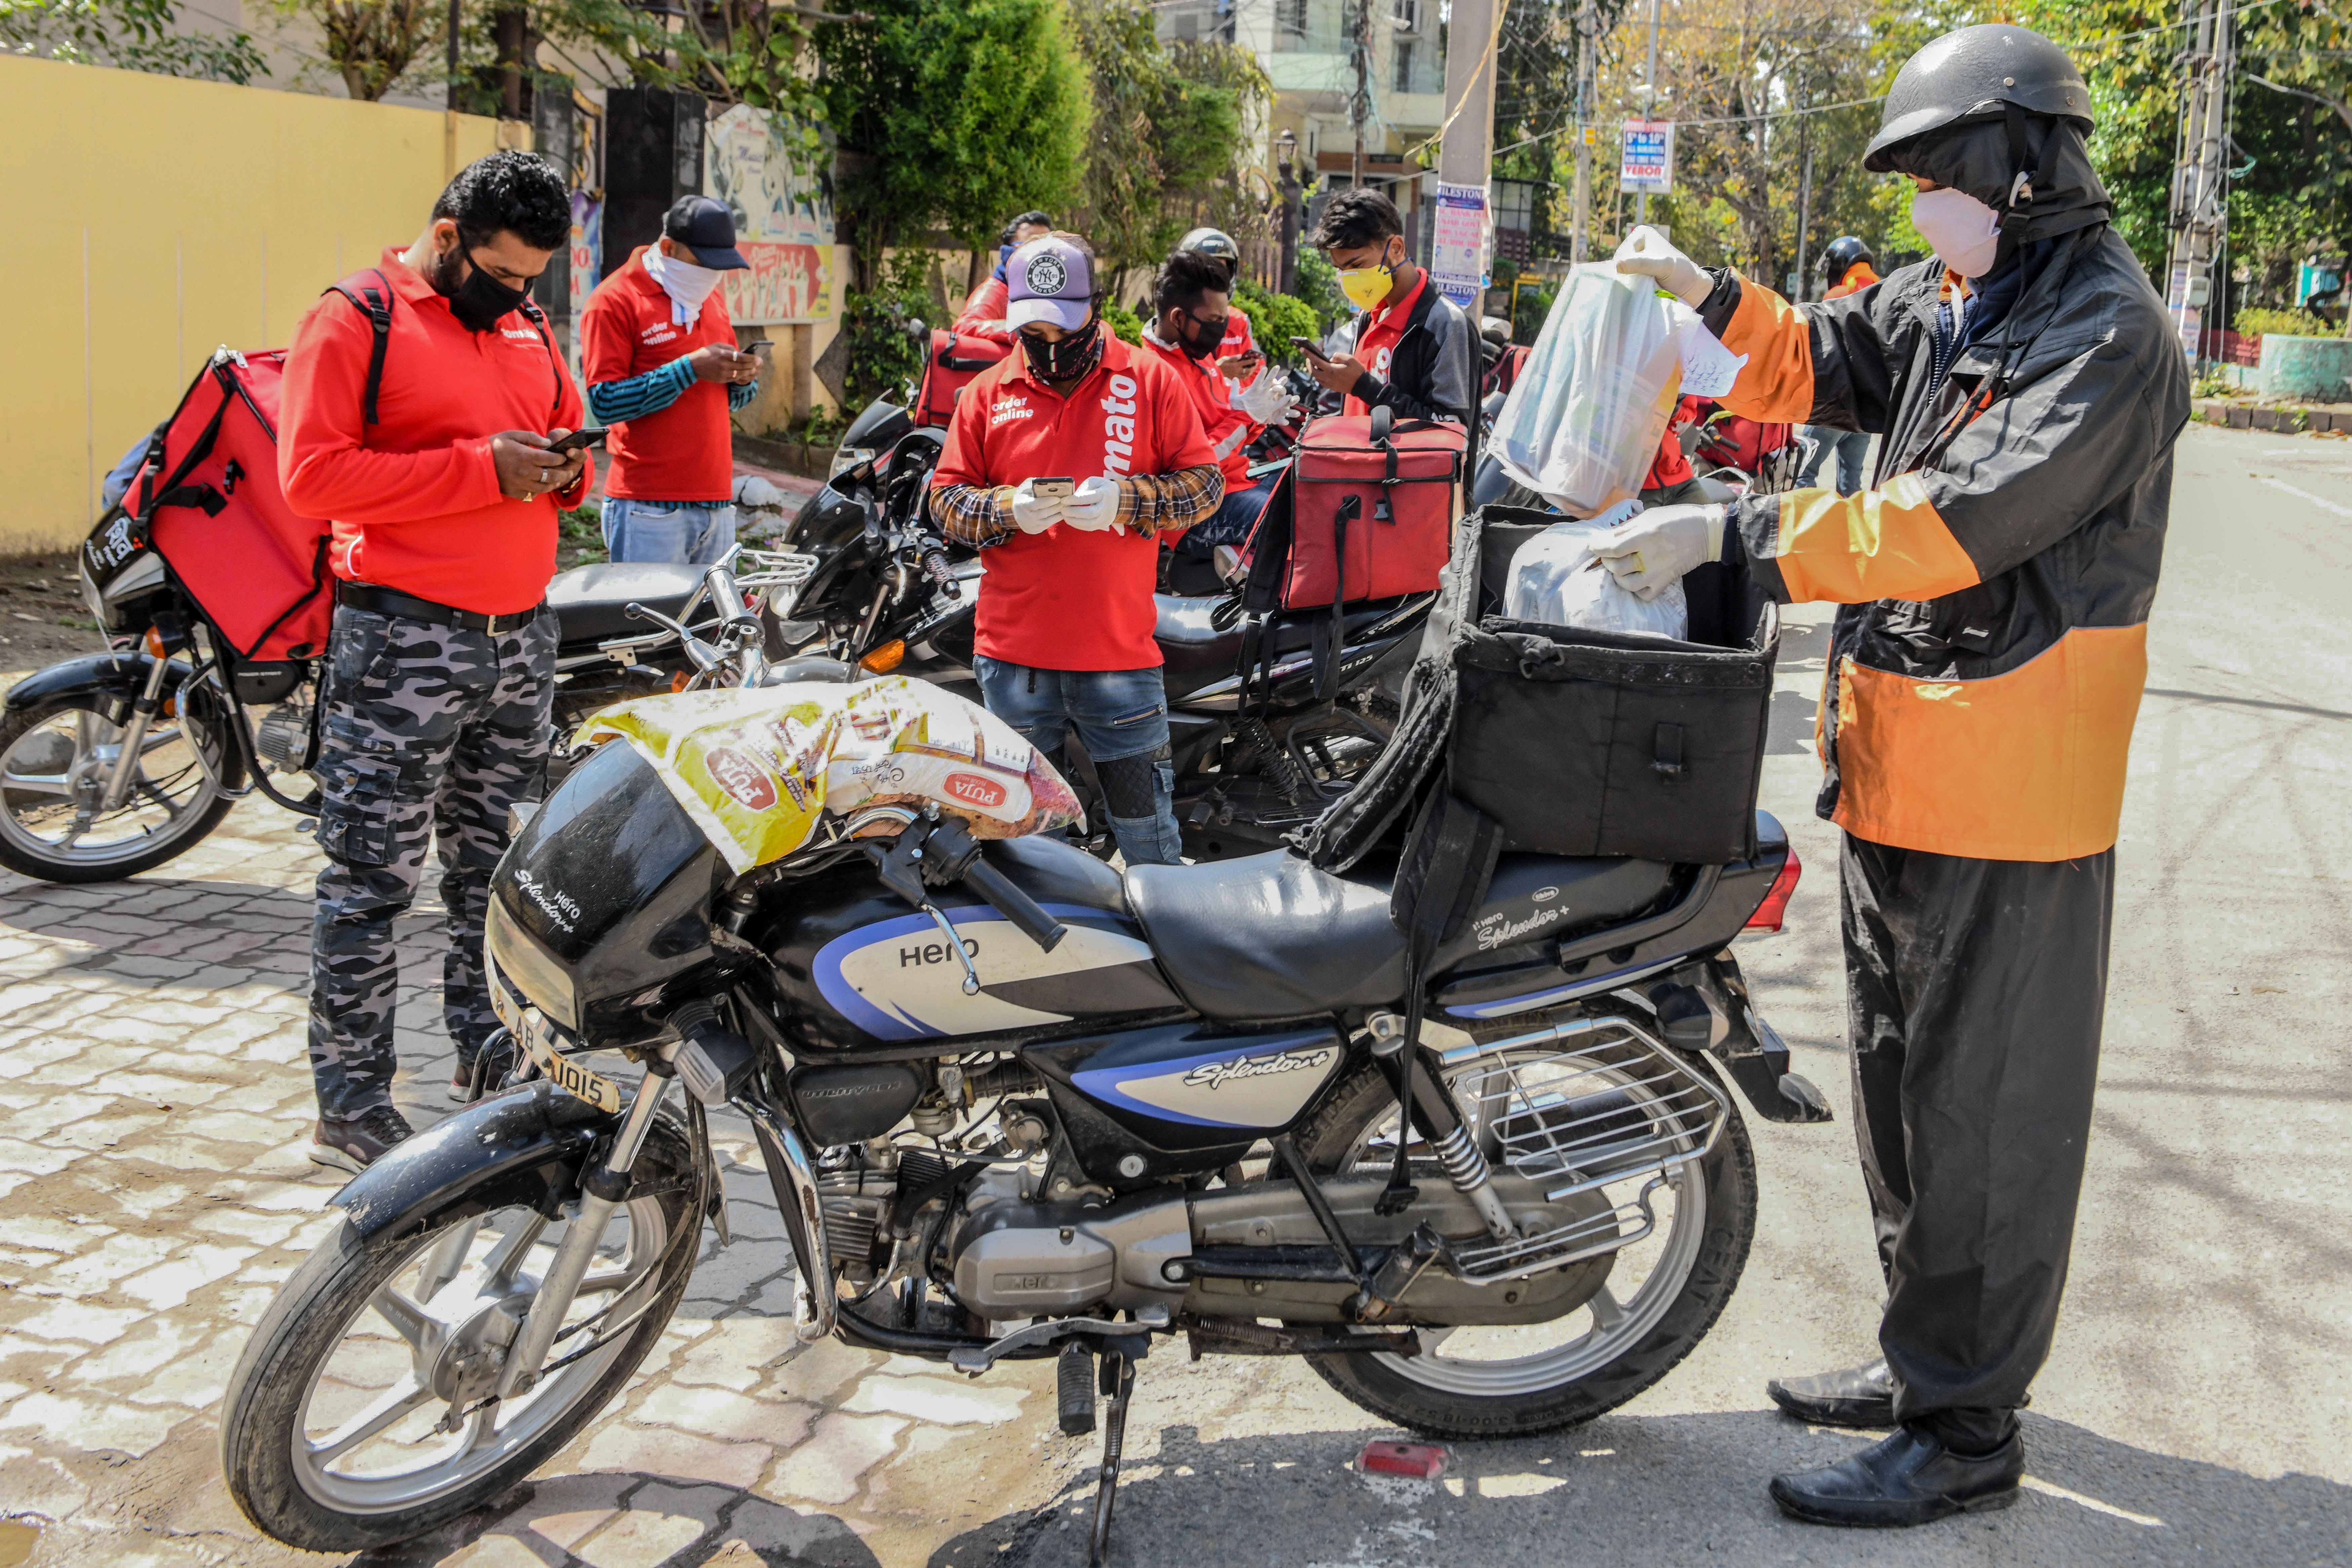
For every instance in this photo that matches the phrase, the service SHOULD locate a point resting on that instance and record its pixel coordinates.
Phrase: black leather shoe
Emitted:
(1859, 1396)
(1905, 1479)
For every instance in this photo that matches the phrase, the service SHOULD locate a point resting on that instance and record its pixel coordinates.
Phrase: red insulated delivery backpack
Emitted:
(207, 500)
(1372, 509)
(955, 358)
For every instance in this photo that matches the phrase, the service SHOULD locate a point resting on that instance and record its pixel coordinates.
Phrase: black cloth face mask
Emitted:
(1065, 359)
(1207, 337)
(481, 300)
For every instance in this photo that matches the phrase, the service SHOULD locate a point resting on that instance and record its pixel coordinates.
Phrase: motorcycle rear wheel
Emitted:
(1691, 1267)
(320, 1357)
(55, 760)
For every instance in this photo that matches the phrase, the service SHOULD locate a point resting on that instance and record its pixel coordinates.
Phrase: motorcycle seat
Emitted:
(1195, 652)
(592, 603)
(1270, 936)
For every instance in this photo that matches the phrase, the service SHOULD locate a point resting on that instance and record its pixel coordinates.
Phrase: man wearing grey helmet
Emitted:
(1984, 673)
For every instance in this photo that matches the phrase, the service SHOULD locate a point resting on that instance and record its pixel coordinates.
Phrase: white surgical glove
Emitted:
(1034, 513)
(1651, 554)
(1647, 251)
(1094, 506)
(1266, 400)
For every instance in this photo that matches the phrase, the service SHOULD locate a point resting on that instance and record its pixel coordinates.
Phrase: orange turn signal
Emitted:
(677, 683)
(887, 657)
(154, 642)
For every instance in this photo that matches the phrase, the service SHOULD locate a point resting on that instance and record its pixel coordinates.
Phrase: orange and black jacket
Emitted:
(1985, 673)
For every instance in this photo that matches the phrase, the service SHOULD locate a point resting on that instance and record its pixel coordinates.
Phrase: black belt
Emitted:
(409, 607)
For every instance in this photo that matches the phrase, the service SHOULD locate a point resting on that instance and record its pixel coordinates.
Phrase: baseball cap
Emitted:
(706, 228)
(1049, 279)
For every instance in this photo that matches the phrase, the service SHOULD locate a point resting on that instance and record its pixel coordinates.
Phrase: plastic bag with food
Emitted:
(1556, 582)
(757, 769)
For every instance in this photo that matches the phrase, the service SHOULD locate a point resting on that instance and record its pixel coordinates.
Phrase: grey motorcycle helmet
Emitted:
(1215, 242)
(1974, 74)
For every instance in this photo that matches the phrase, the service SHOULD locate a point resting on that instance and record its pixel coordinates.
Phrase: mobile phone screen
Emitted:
(1059, 488)
(593, 436)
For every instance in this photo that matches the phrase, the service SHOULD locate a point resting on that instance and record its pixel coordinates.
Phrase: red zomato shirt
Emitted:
(1376, 343)
(1673, 466)
(983, 313)
(1067, 598)
(682, 453)
(414, 498)
(1227, 428)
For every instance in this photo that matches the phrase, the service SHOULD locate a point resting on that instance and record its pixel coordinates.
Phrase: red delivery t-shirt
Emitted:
(983, 313)
(682, 453)
(414, 498)
(1227, 428)
(1376, 343)
(1673, 466)
(1071, 598)
(1240, 341)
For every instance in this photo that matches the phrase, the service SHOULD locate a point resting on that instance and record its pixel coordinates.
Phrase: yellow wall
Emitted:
(150, 219)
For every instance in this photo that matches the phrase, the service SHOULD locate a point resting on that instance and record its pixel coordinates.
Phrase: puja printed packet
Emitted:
(757, 768)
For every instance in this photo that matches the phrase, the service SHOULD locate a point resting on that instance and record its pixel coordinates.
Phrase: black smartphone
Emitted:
(761, 346)
(1310, 348)
(593, 436)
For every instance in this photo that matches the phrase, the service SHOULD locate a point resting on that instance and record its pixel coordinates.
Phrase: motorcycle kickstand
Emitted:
(1119, 1375)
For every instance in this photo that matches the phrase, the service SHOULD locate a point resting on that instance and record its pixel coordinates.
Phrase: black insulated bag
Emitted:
(1573, 742)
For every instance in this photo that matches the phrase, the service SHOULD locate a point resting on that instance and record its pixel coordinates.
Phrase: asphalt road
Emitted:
(2197, 1408)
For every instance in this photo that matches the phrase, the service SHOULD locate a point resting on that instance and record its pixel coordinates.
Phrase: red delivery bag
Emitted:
(1373, 510)
(955, 358)
(208, 502)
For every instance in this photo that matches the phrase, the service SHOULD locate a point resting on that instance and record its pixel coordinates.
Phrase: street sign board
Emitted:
(1646, 159)
(1458, 249)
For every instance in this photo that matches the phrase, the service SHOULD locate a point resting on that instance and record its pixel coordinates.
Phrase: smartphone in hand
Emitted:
(761, 346)
(593, 436)
(1310, 348)
(1060, 488)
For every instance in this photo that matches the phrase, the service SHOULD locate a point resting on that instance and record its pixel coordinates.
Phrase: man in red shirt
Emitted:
(1067, 463)
(1237, 355)
(443, 481)
(659, 356)
(1413, 349)
(1189, 336)
(983, 313)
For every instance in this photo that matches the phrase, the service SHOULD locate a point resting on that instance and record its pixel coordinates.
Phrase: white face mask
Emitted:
(687, 285)
(1962, 230)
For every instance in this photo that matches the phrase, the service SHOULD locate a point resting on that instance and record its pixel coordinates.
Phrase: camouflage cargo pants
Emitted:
(430, 732)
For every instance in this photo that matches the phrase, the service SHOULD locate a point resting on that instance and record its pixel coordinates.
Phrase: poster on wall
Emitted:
(1645, 164)
(764, 166)
(587, 252)
(1458, 249)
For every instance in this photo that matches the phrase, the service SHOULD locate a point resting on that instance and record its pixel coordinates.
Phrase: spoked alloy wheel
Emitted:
(362, 1411)
(1659, 1297)
(56, 763)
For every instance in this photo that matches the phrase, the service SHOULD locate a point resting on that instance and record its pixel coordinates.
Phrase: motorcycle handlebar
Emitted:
(934, 567)
(1014, 904)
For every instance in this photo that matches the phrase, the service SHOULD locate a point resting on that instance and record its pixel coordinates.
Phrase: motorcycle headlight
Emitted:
(847, 457)
(92, 597)
(515, 961)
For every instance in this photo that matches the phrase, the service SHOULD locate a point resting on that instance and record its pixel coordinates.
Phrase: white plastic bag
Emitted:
(1556, 582)
(1584, 419)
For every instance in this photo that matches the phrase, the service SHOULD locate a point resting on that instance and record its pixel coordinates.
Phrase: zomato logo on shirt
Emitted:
(1118, 429)
(1381, 357)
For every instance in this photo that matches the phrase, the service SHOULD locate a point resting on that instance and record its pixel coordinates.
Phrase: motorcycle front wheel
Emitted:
(358, 1417)
(1661, 1295)
(55, 761)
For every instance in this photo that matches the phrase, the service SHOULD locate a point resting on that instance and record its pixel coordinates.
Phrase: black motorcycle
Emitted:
(1017, 1105)
(112, 764)
(1267, 726)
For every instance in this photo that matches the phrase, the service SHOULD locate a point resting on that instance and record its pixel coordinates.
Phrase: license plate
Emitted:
(565, 1073)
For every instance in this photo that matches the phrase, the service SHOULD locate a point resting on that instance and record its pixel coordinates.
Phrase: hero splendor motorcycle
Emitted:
(1014, 1105)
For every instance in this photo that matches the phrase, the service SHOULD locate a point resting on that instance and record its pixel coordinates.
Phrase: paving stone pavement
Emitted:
(155, 1104)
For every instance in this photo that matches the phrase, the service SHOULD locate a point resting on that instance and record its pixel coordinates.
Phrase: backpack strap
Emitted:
(377, 308)
(538, 319)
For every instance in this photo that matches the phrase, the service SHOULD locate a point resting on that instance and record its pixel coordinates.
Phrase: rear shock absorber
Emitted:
(1441, 1123)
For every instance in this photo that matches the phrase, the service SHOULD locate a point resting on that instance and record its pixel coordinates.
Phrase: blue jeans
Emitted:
(1235, 517)
(690, 533)
(1121, 716)
(1851, 447)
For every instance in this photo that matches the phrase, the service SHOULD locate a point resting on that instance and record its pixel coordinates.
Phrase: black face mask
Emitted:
(1067, 359)
(1207, 336)
(481, 300)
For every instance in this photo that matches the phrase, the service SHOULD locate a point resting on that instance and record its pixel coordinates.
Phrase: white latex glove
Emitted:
(1034, 513)
(1094, 506)
(1647, 251)
(1266, 400)
(1651, 554)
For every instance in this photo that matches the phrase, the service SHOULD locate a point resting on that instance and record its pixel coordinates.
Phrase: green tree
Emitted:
(952, 114)
(1169, 134)
(372, 44)
(135, 34)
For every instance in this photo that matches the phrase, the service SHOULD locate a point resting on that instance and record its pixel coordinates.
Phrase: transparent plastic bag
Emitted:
(1556, 582)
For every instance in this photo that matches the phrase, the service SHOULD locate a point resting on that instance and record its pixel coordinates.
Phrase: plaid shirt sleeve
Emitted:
(981, 515)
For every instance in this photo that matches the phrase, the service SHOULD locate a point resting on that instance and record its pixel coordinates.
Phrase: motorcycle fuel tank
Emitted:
(861, 968)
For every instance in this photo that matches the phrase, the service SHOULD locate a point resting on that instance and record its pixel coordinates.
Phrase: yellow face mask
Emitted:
(1366, 287)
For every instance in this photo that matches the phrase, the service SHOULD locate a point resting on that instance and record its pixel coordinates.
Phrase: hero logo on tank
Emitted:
(975, 790)
(741, 778)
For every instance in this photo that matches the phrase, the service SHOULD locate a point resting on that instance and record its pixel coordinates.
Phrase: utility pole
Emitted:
(1648, 106)
(1581, 235)
(1804, 208)
(2200, 217)
(452, 56)
(1466, 157)
(1360, 106)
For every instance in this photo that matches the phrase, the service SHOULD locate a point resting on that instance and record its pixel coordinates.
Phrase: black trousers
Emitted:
(1974, 991)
